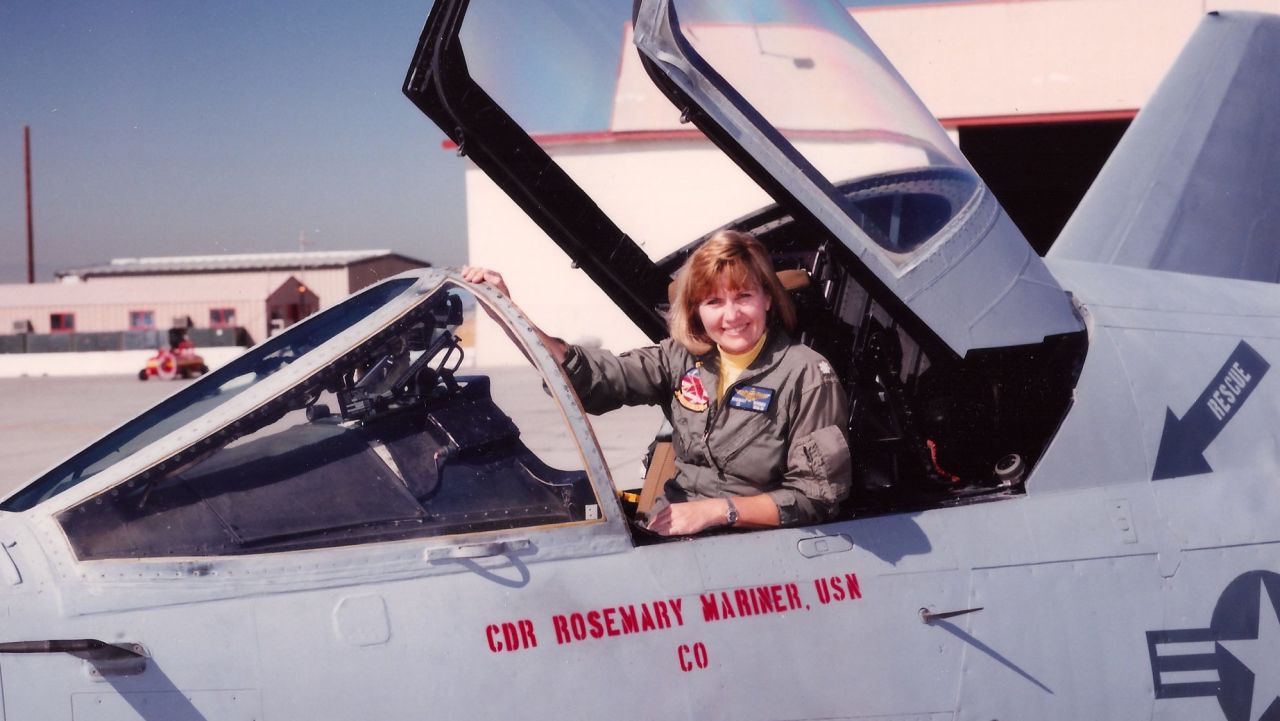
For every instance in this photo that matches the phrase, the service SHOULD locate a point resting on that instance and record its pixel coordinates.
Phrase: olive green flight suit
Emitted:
(779, 428)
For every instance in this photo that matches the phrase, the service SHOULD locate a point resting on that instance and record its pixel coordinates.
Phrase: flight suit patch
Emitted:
(751, 398)
(691, 393)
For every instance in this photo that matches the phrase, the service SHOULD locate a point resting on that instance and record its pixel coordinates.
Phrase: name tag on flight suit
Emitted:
(751, 398)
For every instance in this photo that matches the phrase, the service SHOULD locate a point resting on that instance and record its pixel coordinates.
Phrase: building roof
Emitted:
(231, 262)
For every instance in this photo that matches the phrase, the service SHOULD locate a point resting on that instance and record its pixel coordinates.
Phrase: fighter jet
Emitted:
(1066, 493)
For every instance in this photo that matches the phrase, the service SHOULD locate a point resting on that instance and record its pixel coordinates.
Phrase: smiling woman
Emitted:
(768, 447)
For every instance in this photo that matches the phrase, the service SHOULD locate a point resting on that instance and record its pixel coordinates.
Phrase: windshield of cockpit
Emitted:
(206, 394)
(817, 78)
(393, 436)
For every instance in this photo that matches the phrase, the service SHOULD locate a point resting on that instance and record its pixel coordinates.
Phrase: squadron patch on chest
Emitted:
(751, 398)
(691, 393)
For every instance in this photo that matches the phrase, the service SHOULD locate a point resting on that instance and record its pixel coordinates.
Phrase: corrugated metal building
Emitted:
(260, 292)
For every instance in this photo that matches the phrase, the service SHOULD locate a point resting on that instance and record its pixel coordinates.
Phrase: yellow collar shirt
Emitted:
(733, 364)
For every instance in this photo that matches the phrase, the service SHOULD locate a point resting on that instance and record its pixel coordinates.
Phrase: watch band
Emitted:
(730, 513)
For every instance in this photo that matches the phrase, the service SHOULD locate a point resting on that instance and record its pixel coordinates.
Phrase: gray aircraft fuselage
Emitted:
(344, 523)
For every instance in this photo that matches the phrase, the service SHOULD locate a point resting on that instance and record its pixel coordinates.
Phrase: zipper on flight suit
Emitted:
(715, 412)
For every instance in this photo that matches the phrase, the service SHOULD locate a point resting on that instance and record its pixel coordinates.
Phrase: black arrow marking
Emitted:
(1183, 442)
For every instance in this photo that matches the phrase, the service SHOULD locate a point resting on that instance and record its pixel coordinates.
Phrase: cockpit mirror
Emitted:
(450, 312)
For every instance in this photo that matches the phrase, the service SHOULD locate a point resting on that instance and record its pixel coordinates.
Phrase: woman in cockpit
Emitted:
(757, 419)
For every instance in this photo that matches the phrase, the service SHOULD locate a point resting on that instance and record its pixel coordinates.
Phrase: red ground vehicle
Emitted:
(180, 361)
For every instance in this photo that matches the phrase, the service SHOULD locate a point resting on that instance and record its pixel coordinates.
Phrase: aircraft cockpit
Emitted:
(958, 349)
(926, 429)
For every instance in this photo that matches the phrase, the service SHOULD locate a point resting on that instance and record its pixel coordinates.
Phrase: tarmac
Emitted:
(47, 419)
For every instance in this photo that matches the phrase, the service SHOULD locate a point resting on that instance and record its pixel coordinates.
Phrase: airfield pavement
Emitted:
(47, 419)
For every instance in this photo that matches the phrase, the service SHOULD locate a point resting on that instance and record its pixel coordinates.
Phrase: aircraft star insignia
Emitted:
(1243, 632)
(1258, 655)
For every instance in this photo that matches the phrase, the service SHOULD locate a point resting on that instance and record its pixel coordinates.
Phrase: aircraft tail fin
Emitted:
(1194, 185)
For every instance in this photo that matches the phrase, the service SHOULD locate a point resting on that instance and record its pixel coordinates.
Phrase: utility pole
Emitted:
(31, 237)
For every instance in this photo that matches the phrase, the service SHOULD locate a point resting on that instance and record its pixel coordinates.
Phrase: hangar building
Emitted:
(1036, 93)
(122, 304)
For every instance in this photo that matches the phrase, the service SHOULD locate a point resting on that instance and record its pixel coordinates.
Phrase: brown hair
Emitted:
(737, 260)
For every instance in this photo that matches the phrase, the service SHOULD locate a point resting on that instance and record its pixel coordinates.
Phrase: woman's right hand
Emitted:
(477, 274)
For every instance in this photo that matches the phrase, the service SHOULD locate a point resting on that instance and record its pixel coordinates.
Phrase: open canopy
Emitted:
(794, 93)
(802, 99)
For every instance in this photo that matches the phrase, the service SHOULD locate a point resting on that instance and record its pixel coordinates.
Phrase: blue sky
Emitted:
(195, 126)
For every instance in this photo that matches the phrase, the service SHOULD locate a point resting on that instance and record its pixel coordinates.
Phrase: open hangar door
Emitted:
(1040, 170)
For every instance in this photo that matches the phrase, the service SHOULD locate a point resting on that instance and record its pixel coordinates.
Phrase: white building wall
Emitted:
(563, 301)
(697, 190)
(97, 317)
(330, 284)
(103, 303)
(672, 192)
(246, 292)
(983, 59)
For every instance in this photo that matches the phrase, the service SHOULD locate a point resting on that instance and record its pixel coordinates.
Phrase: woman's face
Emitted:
(734, 319)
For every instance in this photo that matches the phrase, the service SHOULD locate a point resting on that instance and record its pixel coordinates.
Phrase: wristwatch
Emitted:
(730, 513)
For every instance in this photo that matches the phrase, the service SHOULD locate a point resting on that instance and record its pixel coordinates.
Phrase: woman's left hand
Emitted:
(679, 519)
